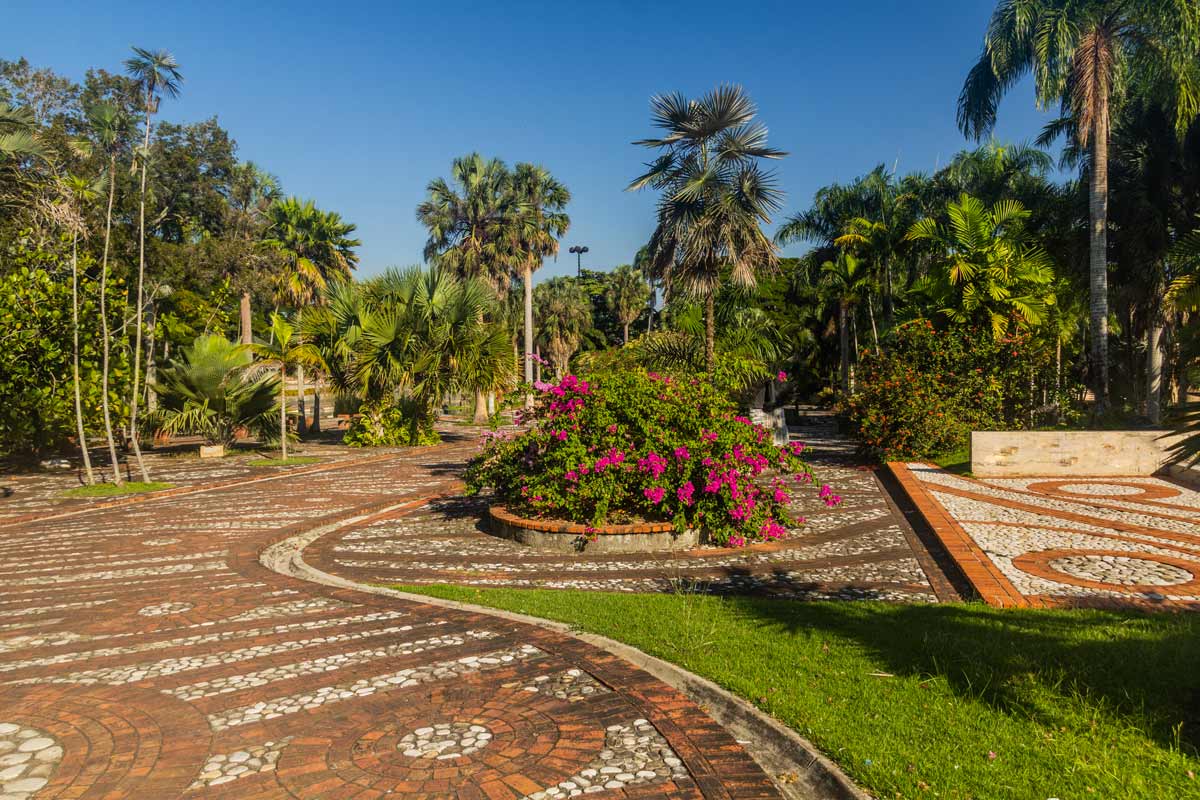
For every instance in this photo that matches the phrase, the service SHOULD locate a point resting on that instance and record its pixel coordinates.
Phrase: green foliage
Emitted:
(930, 388)
(36, 402)
(636, 445)
(208, 391)
(397, 426)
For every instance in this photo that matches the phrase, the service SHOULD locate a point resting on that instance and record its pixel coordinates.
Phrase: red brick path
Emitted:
(145, 653)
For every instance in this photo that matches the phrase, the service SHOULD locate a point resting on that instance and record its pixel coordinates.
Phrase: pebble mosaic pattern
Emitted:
(1083, 541)
(28, 758)
(445, 740)
(228, 767)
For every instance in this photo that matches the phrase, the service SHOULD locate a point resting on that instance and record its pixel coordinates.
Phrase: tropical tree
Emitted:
(847, 281)
(566, 315)
(283, 353)
(18, 134)
(990, 274)
(158, 74)
(252, 193)
(626, 294)
(715, 196)
(538, 223)
(79, 193)
(109, 126)
(1082, 53)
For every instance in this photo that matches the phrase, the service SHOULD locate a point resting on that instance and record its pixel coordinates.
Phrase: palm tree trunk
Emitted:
(105, 333)
(247, 334)
(1154, 364)
(844, 344)
(889, 309)
(481, 416)
(302, 423)
(1098, 258)
(874, 330)
(283, 411)
(315, 427)
(83, 446)
(137, 337)
(710, 331)
(151, 373)
(626, 326)
(527, 280)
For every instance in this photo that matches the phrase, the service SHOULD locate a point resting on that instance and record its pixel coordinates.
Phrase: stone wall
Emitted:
(1006, 454)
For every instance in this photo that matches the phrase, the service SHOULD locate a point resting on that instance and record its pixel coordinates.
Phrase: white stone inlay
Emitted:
(165, 609)
(445, 741)
(28, 758)
(1121, 570)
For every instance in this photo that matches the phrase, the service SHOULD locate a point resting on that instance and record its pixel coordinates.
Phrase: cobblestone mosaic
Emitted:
(28, 758)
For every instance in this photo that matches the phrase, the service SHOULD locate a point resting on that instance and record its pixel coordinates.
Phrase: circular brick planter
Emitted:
(570, 537)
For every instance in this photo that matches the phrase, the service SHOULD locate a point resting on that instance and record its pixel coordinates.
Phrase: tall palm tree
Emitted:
(715, 196)
(538, 223)
(157, 73)
(283, 354)
(847, 280)
(79, 192)
(566, 315)
(626, 294)
(1081, 52)
(110, 127)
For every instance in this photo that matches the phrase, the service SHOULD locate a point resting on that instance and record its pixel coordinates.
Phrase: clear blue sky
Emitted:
(359, 105)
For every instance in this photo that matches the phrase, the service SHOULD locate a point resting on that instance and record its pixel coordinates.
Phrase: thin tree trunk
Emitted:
(105, 334)
(1154, 364)
(151, 372)
(527, 279)
(710, 331)
(874, 330)
(283, 411)
(137, 337)
(302, 423)
(315, 427)
(844, 344)
(83, 446)
(626, 327)
(1098, 259)
(247, 333)
(889, 310)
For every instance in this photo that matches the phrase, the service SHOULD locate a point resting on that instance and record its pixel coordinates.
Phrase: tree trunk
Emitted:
(889, 309)
(247, 333)
(1098, 259)
(315, 427)
(1154, 364)
(283, 412)
(481, 415)
(137, 337)
(874, 330)
(83, 446)
(105, 333)
(844, 344)
(302, 418)
(710, 332)
(626, 327)
(527, 278)
(151, 372)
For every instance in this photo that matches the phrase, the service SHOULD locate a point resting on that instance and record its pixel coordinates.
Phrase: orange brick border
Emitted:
(562, 526)
(976, 567)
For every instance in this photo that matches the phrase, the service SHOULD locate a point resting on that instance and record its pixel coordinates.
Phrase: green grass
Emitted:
(112, 490)
(957, 461)
(283, 462)
(948, 701)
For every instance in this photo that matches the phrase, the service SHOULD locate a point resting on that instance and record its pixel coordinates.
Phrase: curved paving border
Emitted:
(779, 750)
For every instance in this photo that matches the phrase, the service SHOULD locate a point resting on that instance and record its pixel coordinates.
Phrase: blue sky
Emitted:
(359, 105)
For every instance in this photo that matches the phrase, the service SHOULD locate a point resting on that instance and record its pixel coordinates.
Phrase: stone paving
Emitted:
(146, 653)
(862, 550)
(1108, 542)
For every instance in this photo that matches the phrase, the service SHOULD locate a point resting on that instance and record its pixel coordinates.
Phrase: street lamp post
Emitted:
(578, 250)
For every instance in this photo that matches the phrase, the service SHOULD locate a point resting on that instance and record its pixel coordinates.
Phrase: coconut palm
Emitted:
(715, 196)
(109, 127)
(847, 280)
(1081, 54)
(283, 353)
(626, 294)
(537, 224)
(990, 274)
(566, 315)
(157, 74)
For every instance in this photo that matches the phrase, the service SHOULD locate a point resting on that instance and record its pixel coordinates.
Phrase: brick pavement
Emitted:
(146, 653)
(1052, 542)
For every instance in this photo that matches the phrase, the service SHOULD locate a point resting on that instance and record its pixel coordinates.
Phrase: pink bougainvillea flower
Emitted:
(737, 541)
(782, 497)
(781, 377)
(685, 493)
(654, 494)
(681, 453)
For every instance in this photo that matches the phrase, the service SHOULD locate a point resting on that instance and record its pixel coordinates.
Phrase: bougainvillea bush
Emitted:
(633, 446)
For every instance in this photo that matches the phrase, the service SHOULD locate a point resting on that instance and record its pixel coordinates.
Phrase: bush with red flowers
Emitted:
(634, 446)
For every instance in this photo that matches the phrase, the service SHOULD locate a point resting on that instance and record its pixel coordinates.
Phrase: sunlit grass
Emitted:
(113, 490)
(283, 462)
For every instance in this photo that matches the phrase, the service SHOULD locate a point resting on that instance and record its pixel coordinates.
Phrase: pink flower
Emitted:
(681, 453)
(654, 494)
(561, 436)
(737, 541)
(781, 377)
(612, 428)
(685, 492)
(781, 496)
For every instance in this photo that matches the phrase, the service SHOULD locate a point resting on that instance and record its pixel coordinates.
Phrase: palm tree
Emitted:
(538, 223)
(566, 315)
(847, 280)
(715, 196)
(79, 192)
(466, 220)
(158, 74)
(627, 294)
(1081, 52)
(991, 275)
(109, 126)
(18, 134)
(252, 192)
(283, 353)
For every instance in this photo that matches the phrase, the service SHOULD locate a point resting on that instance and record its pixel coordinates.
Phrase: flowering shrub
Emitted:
(389, 427)
(636, 445)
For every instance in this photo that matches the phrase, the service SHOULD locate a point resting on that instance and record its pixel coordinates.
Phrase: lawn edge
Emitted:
(777, 748)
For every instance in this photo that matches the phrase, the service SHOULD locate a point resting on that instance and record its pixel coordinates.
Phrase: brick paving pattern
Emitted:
(145, 652)
(1104, 542)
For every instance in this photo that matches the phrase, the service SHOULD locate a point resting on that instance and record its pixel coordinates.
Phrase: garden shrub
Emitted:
(928, 389)
(632, 446)
(394, 426)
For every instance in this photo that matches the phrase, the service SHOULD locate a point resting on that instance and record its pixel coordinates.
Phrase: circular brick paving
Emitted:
(445, 740)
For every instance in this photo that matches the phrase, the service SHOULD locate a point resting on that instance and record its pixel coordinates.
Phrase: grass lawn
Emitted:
(112, 490)
(283, 462)
(941, 701)
(957, 461)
